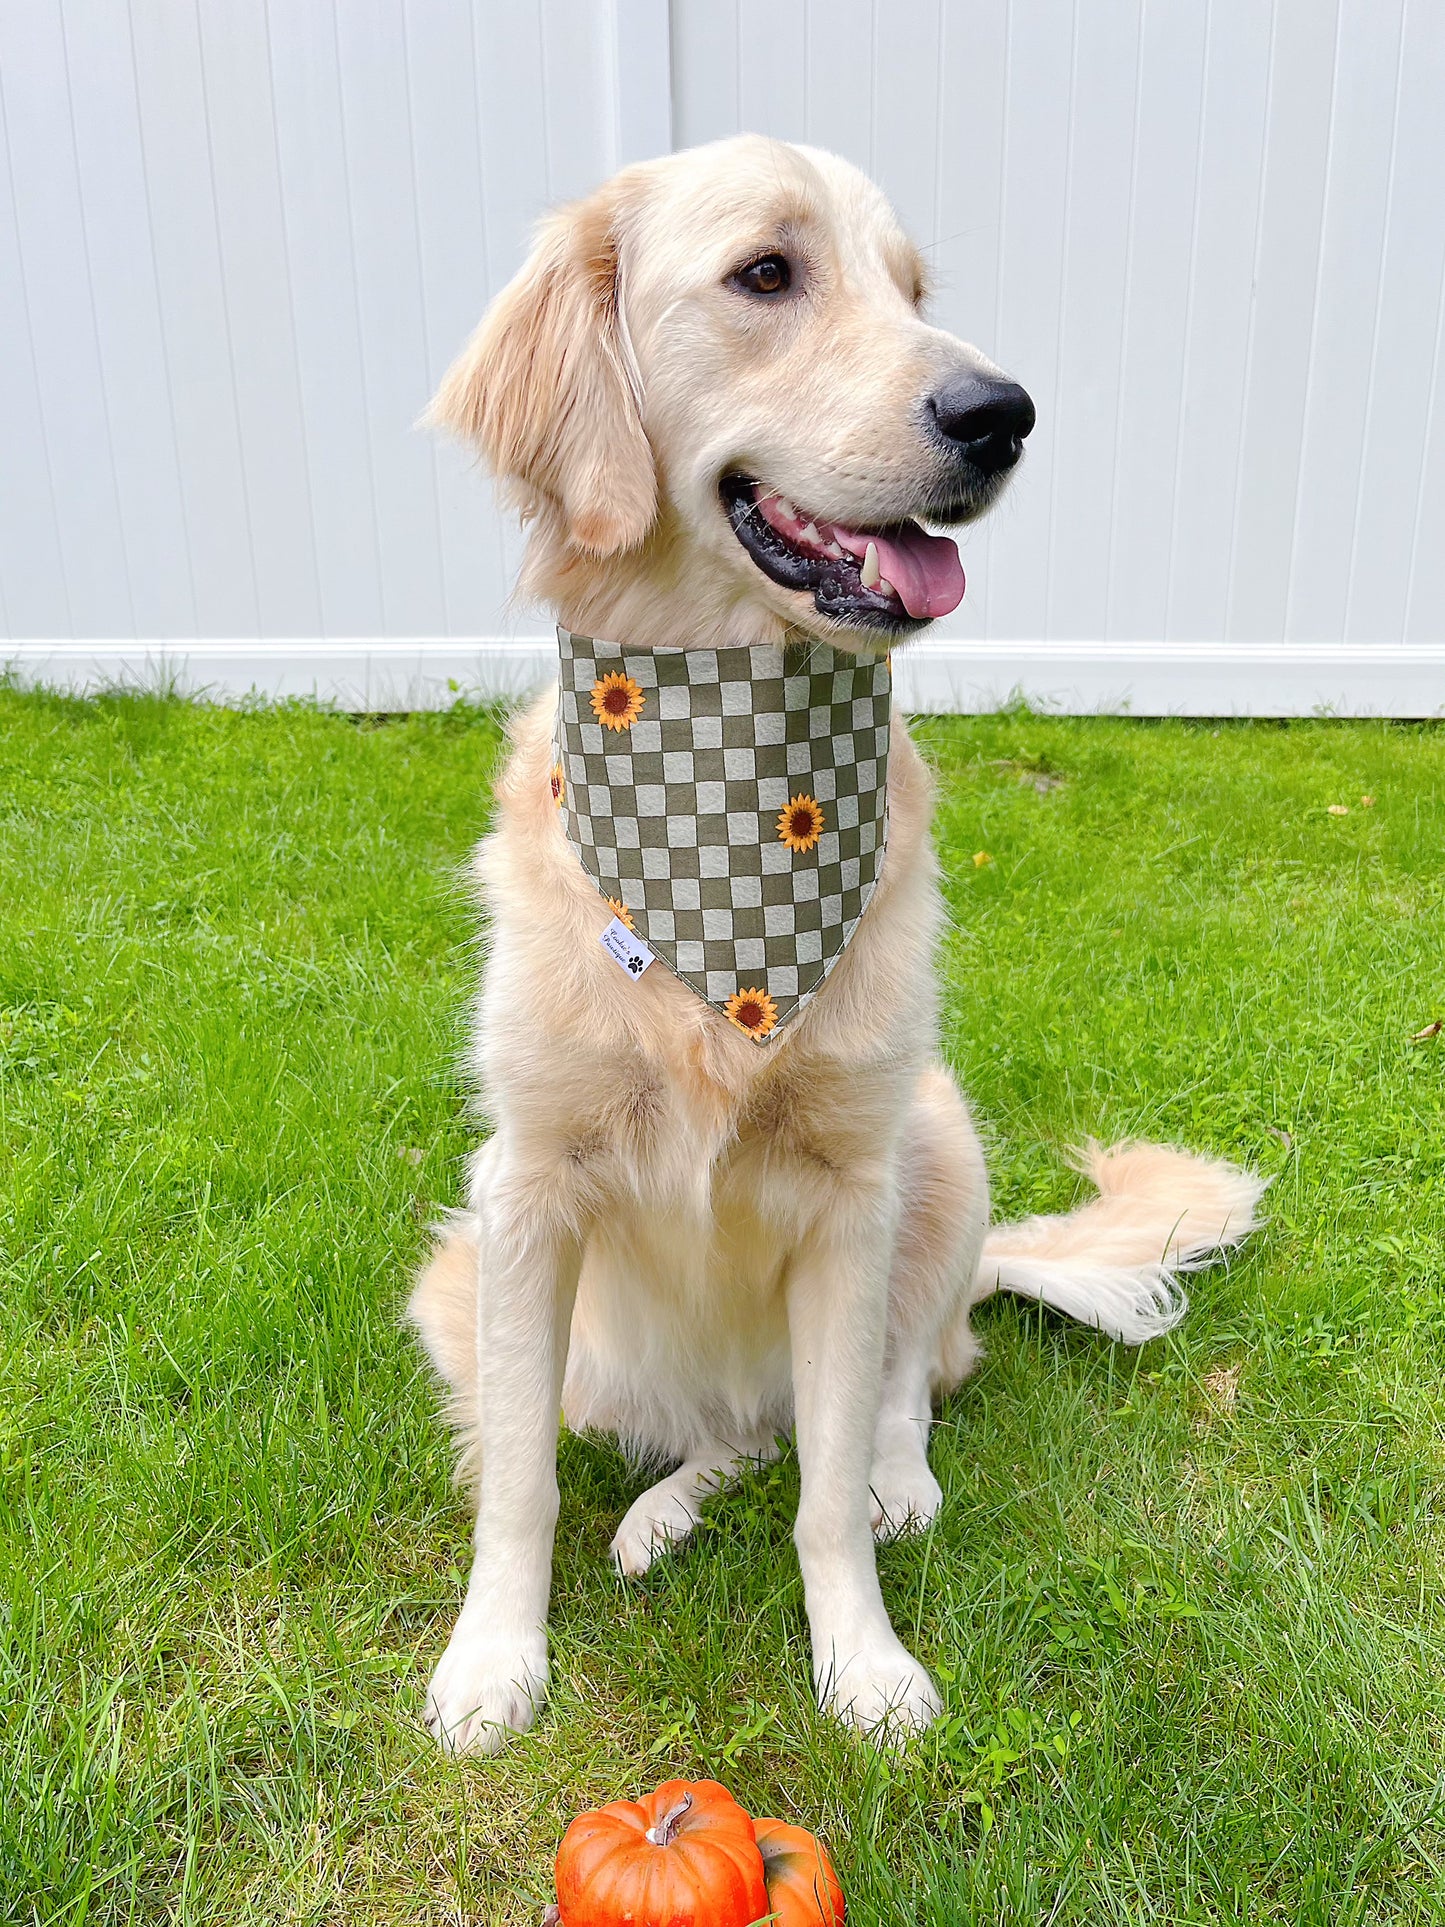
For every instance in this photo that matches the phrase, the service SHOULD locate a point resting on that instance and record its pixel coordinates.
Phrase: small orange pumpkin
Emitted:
(685, 1856)
(803, 1890)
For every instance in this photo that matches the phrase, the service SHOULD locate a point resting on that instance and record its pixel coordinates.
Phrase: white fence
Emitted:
(239, 241)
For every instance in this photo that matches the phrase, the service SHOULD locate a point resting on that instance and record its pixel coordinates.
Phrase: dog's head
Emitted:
(713, 377)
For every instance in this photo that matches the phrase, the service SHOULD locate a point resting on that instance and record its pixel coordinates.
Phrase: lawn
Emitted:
(1185, 1604)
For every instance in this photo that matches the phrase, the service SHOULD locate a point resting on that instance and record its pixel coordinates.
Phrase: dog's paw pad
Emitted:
(659, 1520)
(483, 1692)
(882, 1691)
(903, 1499)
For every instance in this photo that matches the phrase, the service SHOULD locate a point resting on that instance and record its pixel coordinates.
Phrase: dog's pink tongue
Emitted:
(923, 568)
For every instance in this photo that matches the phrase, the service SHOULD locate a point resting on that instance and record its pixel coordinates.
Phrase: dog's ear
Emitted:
(543, 386)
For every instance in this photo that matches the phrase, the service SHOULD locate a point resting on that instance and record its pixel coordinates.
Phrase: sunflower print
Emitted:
(800, 824)
(617, 701)
(620, 910)
(559, 786)
(752, 1011)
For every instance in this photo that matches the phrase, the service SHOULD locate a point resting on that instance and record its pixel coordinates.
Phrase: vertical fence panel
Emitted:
(1216, 355)
(1402, 397)
(835, 107)
(1103, 160)
(250, 224)
(34, 599)
(382, 212)
(64, 354)
(1346, 311)
(1038, 106)
(140, 408)
(321, 259)
(1164, 202)
(185, 242)
(1286, 270)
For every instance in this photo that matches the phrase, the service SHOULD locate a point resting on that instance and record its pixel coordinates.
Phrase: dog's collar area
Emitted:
(731, 807)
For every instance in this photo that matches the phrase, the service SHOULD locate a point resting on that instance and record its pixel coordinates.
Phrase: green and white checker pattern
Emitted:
(677, 816)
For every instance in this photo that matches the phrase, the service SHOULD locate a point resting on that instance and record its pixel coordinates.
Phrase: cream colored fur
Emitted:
(692, 1242)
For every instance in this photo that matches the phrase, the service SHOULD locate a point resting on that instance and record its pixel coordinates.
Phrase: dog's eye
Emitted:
(772, 274)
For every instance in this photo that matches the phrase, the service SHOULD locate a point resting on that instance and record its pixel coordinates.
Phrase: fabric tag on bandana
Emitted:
(625, 948)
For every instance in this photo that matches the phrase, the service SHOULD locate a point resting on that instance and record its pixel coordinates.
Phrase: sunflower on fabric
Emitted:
(800, 823)
(559, 785)
(617, 701)
(752, 1011)
(620, 910)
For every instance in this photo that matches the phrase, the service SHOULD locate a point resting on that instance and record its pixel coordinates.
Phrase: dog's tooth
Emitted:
(810, 534)
(884, 586)
(868, 574)
(786, 509)
(833, 549)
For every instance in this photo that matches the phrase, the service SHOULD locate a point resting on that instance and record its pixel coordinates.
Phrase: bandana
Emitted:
(732, 807)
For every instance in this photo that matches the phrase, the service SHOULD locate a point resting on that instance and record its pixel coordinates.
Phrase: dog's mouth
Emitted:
(891, 578)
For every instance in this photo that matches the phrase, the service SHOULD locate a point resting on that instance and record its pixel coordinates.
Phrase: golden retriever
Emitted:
(714, 397)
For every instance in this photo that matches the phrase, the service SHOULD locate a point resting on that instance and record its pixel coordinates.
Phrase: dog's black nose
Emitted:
(986, 419)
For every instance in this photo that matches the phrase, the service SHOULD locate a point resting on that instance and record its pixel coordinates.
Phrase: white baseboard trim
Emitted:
(1179, 679)
(1073, 678)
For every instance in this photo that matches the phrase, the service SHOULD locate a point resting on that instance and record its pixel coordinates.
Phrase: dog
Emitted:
(713, 397)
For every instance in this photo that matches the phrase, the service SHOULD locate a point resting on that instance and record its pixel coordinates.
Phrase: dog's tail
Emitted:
(443, 1309)
(1114, 1263)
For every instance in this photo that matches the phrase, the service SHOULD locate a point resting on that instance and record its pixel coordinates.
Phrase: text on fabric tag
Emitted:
(625, 948)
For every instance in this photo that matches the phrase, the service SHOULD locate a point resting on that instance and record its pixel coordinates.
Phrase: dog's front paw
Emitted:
(904, 1495)
(662, 1517)
(485, 1690)
(879, 1689)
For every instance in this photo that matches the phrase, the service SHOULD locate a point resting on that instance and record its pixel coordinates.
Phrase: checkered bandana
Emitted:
(731, 805)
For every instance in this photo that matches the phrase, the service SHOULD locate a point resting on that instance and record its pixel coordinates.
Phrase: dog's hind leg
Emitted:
(944, 1209)
(443, 1308)
(666, 1513)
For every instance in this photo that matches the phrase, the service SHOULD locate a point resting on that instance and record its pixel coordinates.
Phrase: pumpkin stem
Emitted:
(553, 1916)
(665, 1832)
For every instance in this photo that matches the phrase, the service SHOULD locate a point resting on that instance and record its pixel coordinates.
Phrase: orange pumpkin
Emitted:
(686, 1856)
(803, 1890)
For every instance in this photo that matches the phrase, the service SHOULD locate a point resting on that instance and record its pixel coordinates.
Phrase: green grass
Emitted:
(1185, 1603)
